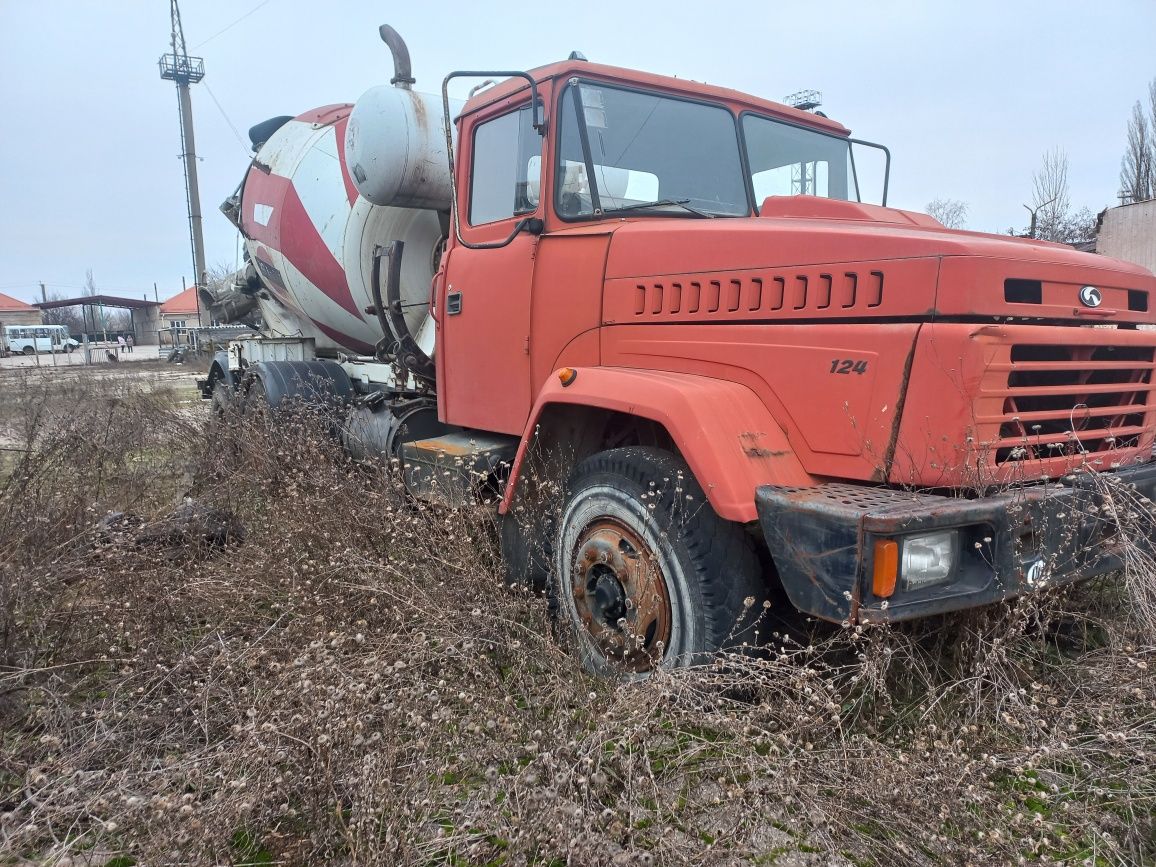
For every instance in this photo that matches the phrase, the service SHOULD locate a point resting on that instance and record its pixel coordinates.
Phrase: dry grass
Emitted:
(352, 684)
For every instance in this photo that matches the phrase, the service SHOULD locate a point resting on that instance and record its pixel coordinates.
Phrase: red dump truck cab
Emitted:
(903, 416)
(676, 332)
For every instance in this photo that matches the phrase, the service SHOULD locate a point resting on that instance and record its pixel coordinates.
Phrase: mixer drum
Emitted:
(312, 237)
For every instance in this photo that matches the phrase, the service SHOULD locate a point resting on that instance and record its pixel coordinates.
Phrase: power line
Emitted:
(33, 287)
(28, 284)
(221, 109)
(231, 26)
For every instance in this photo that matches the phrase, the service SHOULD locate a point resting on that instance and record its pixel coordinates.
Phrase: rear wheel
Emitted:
(29, 350)
(222, 401)
(254, 401)
(646, 574)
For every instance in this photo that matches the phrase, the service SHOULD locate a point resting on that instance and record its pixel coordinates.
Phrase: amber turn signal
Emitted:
(886, 567)
(567, 375)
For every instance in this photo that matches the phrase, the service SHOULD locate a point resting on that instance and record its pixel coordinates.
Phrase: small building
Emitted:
(13, 311)
(1128, 232)
(178, 314)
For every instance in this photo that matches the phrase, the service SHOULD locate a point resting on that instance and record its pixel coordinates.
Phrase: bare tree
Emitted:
(951, 212)
(1152, 130)
(1078, 227)
(1051, 200)
(1052, 218)
(118, 319)
(1136, 166)
(220, 277)
(101, 319)
(70, 316)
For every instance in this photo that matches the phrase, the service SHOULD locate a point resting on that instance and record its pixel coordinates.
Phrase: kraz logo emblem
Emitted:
(1090, 296)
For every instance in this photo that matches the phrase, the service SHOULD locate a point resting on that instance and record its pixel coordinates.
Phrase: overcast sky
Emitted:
(967, 94)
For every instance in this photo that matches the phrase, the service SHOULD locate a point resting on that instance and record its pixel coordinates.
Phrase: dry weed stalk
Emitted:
(355, 684)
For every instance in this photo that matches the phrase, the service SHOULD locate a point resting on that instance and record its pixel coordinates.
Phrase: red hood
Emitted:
(805, 233)
(947, 389)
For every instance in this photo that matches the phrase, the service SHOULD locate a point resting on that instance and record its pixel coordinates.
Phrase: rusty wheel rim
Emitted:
(621, 598)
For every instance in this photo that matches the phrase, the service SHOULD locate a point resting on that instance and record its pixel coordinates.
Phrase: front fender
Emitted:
(724, 432)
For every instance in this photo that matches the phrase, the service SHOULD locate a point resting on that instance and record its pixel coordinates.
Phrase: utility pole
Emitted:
(183, 70)
(43, 293)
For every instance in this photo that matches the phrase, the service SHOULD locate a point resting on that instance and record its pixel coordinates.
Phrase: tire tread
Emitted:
(722, 557)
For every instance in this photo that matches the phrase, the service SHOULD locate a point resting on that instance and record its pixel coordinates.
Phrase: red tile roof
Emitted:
(8, 303)
(182, 302)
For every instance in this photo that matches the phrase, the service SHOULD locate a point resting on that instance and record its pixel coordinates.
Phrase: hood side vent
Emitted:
(755, 294)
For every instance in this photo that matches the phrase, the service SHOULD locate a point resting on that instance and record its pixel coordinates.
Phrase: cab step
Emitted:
(458, 468)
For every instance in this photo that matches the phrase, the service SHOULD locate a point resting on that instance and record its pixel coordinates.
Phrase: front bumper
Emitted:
(1041, 535)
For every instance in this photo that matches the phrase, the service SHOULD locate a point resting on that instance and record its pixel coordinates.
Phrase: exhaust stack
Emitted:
(402, 70)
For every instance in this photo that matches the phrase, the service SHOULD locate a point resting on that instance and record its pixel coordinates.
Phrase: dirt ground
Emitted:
(68, 378)
(142, 369)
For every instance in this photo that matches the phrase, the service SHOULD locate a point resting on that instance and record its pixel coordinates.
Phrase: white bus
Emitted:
(31, 339)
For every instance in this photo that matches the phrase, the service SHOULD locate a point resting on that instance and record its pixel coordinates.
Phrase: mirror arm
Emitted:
(887, 165)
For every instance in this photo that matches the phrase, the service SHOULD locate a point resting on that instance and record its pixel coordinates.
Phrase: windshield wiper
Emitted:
(642, 206)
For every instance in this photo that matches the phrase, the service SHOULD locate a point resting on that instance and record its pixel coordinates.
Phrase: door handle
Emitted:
(454, 303)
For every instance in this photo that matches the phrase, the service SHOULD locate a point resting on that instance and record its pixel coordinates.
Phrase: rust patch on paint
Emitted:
(751, 448)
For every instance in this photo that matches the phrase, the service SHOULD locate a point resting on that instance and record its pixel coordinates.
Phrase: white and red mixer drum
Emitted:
(325, 190)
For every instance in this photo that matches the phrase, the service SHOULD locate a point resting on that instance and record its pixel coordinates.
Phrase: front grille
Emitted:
(1062, 400)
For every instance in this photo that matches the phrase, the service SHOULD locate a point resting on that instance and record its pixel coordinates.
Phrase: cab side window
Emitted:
(507, 169)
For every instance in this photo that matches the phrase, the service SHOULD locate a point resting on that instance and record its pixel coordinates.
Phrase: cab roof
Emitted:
(680, 86)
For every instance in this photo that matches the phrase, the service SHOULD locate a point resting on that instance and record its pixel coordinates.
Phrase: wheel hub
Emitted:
(606, 595)
(620, 595)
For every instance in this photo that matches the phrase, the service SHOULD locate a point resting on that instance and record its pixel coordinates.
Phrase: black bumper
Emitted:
(822, 540)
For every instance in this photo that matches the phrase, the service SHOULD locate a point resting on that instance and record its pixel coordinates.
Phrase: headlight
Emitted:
(928, 558)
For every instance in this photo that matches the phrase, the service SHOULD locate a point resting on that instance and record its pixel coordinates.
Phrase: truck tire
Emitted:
(222, 400)
(646, 575)
(251, 402)
(525, 539)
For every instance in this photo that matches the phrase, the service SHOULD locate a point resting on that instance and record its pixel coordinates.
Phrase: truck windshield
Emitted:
(789, 160)
(632, 152)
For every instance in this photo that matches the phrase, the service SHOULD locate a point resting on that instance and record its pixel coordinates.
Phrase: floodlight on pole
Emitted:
(184, 70)
(804, 100)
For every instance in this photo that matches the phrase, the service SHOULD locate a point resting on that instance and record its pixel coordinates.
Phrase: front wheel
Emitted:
(646, 574)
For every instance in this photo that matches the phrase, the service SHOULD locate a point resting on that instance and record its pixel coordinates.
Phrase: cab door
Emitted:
(483, 312)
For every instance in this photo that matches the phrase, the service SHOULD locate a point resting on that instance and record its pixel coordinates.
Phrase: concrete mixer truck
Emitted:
(753, 381)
